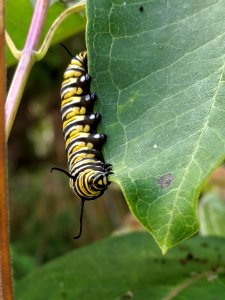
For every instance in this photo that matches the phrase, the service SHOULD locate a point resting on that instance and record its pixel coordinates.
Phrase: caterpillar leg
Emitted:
(108, 169)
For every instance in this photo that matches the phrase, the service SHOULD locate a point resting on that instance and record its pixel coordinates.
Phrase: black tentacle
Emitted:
(63, 171)
(81, 218)
(67, 50)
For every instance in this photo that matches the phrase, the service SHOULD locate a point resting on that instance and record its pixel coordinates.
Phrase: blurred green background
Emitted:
(44, 212)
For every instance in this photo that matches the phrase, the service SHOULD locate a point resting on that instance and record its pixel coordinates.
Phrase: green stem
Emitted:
(15, 52)
(45, 45)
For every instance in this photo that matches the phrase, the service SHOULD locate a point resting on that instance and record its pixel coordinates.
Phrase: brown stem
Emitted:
(6, 292)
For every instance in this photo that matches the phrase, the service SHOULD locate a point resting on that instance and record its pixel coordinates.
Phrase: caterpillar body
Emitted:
(88, 173)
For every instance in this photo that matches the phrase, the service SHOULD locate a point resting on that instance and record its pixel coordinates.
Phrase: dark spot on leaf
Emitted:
(182, 262)
(188, 258)
(63, 295)
(141, 8)
(183, 248)
(165, 180)
(215, 268)
(204, 245)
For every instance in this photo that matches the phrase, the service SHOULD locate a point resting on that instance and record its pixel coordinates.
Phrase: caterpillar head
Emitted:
(90, 184)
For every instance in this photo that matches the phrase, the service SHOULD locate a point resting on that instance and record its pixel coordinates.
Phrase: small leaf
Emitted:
(158, 71)
(131, 266)
(212, 212)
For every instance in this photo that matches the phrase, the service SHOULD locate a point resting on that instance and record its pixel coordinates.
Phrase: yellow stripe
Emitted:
(72, 73)
(70, 99)
(69, 80)
(80, 128)
(76, 111)
(70, 120)
(76, 62)
(84, 155)
(78, 135)
(71, 92)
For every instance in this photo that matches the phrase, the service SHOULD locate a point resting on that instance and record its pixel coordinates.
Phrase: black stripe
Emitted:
(84, 62)
(88, 120)
(83, 167)
(97, 142)
(81, 61)
(86, 101)
(97, 154)
(85, 89)
(89, 161)
(75, 68)
(98, 167)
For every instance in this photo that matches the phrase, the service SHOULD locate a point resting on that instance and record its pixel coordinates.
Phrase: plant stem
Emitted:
(79, 7)
(6, 292)
(25, 64)
(15, 52)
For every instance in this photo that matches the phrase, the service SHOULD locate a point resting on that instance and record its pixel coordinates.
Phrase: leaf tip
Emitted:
(164, 250)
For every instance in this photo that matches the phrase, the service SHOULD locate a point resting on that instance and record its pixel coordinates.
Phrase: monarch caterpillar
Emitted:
(88, 172)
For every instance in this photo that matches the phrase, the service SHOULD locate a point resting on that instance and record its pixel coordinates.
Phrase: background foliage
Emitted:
(194, 268)
(44, 213)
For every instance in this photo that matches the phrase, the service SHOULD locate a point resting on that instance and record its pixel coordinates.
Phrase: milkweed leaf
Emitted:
(131, 267)
(158, 71)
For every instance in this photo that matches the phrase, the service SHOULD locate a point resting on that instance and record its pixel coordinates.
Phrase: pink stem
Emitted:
(25, 64)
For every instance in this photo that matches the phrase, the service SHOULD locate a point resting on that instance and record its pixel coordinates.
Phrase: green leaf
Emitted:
(211, 213)
(131, 265)
(158, 70)
(17, 24)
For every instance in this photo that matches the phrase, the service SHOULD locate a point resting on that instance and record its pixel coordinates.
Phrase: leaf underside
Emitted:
(131, 267)
(158, 71)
